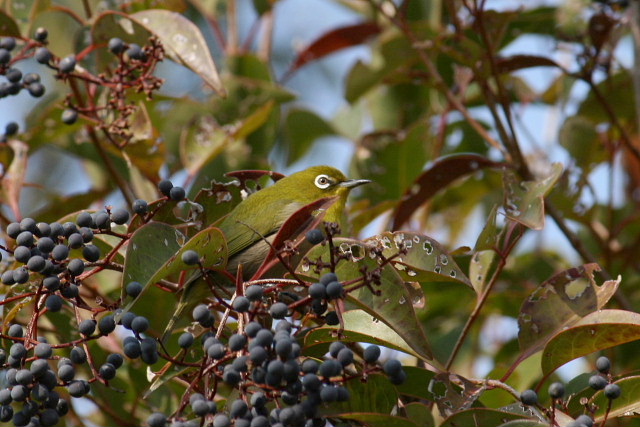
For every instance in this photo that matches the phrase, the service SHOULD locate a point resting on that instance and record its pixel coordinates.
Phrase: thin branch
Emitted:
(509, 245)
(438, 80)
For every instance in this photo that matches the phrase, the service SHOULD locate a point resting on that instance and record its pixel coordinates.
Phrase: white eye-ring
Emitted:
(322, 181)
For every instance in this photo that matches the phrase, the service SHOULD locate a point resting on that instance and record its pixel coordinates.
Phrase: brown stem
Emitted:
(437, 78)
(127, 192)
(508, 138)
(514, 229)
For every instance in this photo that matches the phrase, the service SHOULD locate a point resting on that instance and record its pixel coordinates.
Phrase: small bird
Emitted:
(260, 216)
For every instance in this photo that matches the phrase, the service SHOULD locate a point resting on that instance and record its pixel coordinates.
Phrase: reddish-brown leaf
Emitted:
(519, 62)
(442, 173)
(253, 175)
(333, 41)
(294, 230)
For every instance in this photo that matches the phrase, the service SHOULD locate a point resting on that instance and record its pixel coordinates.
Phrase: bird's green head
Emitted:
(318, 182)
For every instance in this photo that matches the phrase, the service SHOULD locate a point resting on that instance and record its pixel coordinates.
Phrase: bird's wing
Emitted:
(240, 235)
(242, 230)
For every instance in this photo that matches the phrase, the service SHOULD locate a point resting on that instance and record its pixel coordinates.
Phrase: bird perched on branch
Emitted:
(253, 224)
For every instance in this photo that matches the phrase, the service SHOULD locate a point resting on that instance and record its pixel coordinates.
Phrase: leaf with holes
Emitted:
(524, 200)
(559, 302)
(454, 393)
(423, 260)
(394, 304)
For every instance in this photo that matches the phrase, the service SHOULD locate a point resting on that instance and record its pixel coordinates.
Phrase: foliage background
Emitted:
(436, 110)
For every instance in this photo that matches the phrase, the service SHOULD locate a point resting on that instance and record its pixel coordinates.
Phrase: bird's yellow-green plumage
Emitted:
(263, 213)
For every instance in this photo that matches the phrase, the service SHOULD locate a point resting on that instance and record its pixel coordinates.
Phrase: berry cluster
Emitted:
(261, 358)
(267, 367)
(53, 251)
(32, 395)
(598, 381)
(134, 72)
(11, 52)
(49, 260)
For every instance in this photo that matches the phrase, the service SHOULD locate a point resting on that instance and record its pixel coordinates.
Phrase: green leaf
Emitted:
(490, 235)
(115, 24)
(394, 52)
(596, 331)
(480, 269)
(58, 205)
(210, 244)
(379, 420)
(360, 327)
(559, 89)
(145, 150)
(218, 199)
(420, 413)
(302, 129)
(485, 252)
(454, 393)
(627, 405)
(618, 90)
(393, 307)
(392, 159)
(8, 26)
(559, 302)
(415, 384)
(425, 259)
(206, 139)
(183, 42)
(525, 200)
(524, 423)
(149, 248)
(580, 137)
(480, 417)
(376, 395)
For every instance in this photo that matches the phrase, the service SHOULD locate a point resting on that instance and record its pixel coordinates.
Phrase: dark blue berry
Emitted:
(67, 64)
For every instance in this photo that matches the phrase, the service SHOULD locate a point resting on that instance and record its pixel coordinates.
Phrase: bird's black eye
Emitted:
(322, 181)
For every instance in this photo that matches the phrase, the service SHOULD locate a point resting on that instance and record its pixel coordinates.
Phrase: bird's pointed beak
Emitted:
(352, 183)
